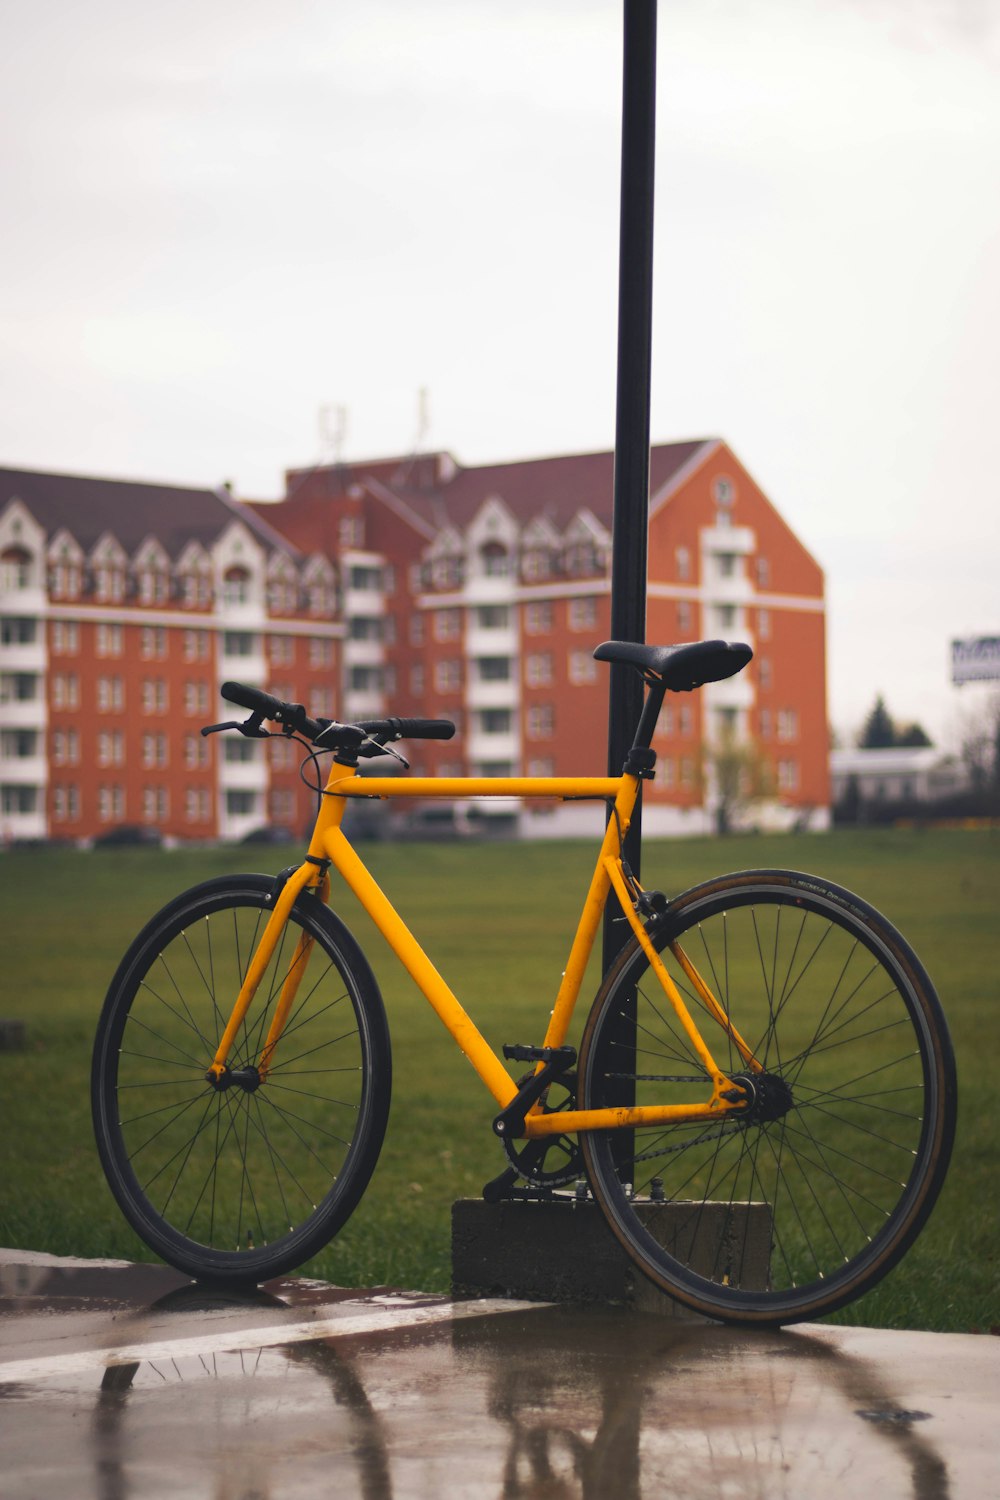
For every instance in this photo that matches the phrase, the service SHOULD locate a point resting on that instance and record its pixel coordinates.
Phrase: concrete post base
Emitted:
(559, 1250)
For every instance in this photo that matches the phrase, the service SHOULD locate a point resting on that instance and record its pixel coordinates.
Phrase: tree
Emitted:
(913, 736)
(879, 732)
(741, 775)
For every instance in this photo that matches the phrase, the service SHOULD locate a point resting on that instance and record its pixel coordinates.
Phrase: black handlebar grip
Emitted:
(423, 729)
(259, 702)
(255, 699)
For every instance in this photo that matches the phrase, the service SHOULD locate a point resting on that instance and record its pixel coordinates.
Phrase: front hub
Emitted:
(248, 1079)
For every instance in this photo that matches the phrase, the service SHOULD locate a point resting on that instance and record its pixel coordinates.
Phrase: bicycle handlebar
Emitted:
(328, 732)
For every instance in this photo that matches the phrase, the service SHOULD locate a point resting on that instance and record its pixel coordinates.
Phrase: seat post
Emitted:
(650, 713)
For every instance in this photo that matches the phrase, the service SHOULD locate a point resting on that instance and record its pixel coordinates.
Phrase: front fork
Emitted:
(312, 874)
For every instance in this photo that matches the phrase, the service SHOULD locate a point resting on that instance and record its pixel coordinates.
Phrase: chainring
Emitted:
(551, 1160)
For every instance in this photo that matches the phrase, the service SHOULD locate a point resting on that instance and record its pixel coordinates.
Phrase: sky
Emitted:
(237, 239)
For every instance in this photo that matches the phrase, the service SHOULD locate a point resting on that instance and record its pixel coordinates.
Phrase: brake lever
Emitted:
(251, 728)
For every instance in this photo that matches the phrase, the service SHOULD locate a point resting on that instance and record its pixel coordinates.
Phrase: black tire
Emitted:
(241, 1184)
(845, 1149)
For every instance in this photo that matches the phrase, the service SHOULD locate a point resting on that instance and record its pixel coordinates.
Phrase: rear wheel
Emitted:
(244, 1182)
(805, 1199)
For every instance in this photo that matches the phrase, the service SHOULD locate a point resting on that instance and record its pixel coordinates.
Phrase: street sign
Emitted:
(976, 659)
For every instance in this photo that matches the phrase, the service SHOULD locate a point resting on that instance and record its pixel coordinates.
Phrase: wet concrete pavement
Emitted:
(127, 1383)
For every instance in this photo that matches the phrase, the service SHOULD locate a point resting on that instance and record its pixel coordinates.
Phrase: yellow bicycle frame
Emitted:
(329, 847)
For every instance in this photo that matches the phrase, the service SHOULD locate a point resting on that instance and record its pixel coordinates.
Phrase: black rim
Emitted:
(245, 1173)
(813, 1194)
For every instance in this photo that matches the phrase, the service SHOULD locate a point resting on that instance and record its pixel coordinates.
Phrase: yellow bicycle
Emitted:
(767, 1056)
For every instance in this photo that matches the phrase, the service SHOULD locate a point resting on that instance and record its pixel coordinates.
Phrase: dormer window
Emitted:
(495, 560)
(235, 587)
(109, 582)
(16, 569)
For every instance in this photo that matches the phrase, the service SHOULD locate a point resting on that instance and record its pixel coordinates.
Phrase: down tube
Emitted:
(413, 958)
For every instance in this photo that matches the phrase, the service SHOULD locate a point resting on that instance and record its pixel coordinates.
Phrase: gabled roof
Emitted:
(130, 510)
(436, 491)
(557, 488)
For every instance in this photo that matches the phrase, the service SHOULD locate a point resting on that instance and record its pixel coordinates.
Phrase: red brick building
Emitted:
(122, 608)
(479, 594)
(405, 587)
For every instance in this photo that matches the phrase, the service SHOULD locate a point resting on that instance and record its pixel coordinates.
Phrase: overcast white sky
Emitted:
(218, 218)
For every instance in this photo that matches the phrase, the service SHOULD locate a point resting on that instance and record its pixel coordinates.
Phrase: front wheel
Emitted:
(245, 1182)
(804, 1199)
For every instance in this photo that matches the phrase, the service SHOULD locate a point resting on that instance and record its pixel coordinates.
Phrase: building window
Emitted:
(18, 630)
(65, 636)
(495, 721)
(64, 580)
(493, 668)
(239, 751)
(582, 667)
(20, 799)
(365, 628)
(788, 776)
(538, 618)
(582, 614)
(764, 624)
(365, 679)
(154, 586)
(542, 765)
(447, 676)
(238, 643)
(541, 721)
(154, 695)
(788, 724)
(447, 624)
(15, 570)
(196, 697)
(282, 650)
(764, 671)
(283, 805)
(153, 643)
(492, 617)
(109, 640)
(352, 531)
(320, 652)
(65, 689)
(196, 645)
(111, 748)
(19, 744)
(686, 720)
(240, 804)
(682, 557)
(494, 560)
(685, 617)
(536, 564)
(66, 803)
(155, 804)
(365, 577)
(197, 805)
(110, 583)
(196, 751)
(765, 723)
(416, 630)
(235, 587)
(416, 680)
(538, 669)
(110, 803)
(154, 750)
(762, 569)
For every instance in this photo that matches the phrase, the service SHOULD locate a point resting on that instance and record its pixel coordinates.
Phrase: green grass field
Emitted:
(498, 921)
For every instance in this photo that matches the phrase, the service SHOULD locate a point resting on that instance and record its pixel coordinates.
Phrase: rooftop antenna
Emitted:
(332, 432)
(423, 428)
